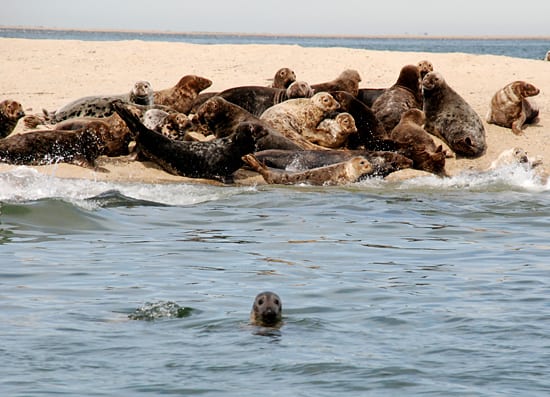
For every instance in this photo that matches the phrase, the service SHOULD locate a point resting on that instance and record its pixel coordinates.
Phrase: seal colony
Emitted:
(244, 120)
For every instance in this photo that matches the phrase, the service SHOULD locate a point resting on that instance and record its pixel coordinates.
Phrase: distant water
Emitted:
(519, 48)
(425, 288)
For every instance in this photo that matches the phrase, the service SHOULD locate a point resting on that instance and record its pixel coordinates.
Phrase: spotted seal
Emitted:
(400, 97)
(511, 108)
(293, 118)
(10, 113)
(415, 143)
(283, 78)
(267, 309)
(451, 118)
(257, 99)
(215, 159)
(347, 81)
(181, 96)
(342, 173)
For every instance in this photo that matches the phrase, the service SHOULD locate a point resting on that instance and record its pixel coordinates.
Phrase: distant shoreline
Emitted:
(286, 35)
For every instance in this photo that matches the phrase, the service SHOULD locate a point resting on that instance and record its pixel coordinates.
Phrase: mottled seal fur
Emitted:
(267, 309)
(80, 147)
(101, 105)
(396, 100)
(347, 81)
(451, 118)
(414, 142)
(181, 96)
(215, 159)
(222, 117)
(371, 134)
(424, 67)
(10, 113)
(257, 99)
(283, 78)
(173, 125)
(332, 132)
(383, 162)
(335, 174)
(511, 108)
(294, 117)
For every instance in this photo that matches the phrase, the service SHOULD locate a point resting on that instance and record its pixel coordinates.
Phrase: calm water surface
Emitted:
(424, 288)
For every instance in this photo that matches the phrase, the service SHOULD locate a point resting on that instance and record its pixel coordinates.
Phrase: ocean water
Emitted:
(431, 287)
(530, 48)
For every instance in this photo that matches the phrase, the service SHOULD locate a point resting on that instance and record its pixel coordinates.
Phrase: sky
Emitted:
(324, 17)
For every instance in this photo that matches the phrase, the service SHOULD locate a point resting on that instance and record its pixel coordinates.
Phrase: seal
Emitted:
(369, 95)
(424, 67)
(400, 97)
(295, 117)
(451, 118)
(10, 113)
(173, 125)
(511, 108)
(267, 310)
(81, 147)
(332, 132)
(415, 143)
(371, 134)
(547, 56)
(101, 105)
(335, 174)
(283, 78)
(383, 162)
(216, 159)
(347, 81)
(222, 117)
(257, 99)
(181, 96)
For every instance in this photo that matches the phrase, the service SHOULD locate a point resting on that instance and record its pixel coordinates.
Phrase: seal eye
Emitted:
(277, 302)
(261, 302)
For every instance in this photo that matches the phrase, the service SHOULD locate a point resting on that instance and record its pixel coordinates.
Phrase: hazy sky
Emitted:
(355, 17)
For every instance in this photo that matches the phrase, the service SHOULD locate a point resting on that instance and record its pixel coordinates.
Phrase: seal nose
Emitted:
(21, 114)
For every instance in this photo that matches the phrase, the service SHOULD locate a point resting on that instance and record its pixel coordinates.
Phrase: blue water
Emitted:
(423, 288)
(519, 48)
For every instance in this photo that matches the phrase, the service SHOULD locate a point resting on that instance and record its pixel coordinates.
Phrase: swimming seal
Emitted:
(335, 174)
(181, 96)
(10, 113)
(267, 309)
(347, 81)
(216, 159)
(400, 97)
(511, 108)
(415, 143)
(283, 78)
(451, 118)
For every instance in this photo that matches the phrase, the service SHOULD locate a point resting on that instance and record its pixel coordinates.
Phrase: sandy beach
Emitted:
(50, 73)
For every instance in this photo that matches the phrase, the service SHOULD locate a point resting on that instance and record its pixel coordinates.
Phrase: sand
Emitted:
(50, 73)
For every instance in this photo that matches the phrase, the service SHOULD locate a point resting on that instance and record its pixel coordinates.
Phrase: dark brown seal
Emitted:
(369, 95)
(81, 147)
(451, 118)
(215, 159)
(347, 81)
(346, 172)
(283, 78)
(383, 162)
(181, 96)
(10, 113)
(222, 117)
(415, 143)
(267, 310)
(396, 100)
(511, 108)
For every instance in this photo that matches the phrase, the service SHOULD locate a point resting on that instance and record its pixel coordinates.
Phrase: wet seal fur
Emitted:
(415, 143)
(216, 159)
(81, 147)
(347, 81)
(451, 118)
(383, 162)
(267, 310)
(511, 108)
(335, 174)
(10, 113)
(405, 94)
(283, 78)
(181, 96)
